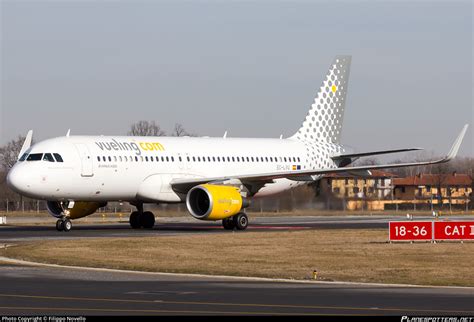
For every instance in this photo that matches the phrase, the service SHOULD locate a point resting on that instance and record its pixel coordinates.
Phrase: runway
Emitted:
(45, 290)
(177, 226)
(62, 291)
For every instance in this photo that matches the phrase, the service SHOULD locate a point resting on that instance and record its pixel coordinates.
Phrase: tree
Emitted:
(9, 153)
(179, 130)
(145, 128)
(366, 161)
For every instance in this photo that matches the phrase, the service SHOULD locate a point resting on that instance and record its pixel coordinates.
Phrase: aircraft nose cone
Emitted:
(16, 180)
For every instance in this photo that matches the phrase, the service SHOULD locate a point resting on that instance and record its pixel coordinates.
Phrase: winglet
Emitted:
(27, 143)
(68, 132)
(455, 148)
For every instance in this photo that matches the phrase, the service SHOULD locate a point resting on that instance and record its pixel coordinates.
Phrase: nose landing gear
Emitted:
(64, 224)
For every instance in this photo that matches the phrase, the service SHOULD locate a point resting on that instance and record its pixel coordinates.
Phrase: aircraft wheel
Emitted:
(67, 225)
(228, 223)
(241, 221)
(135, 220)
(147, 219)
(59, 225)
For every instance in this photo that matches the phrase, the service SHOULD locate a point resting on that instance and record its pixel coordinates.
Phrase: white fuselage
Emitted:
(103, 168)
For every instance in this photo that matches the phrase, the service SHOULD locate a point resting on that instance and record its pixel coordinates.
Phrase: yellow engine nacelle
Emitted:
(214, 202)
(80, 209)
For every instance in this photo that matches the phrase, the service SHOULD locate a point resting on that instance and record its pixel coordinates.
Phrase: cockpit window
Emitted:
(35, 157)
(58, 157)
(48, 157)
(23, 157)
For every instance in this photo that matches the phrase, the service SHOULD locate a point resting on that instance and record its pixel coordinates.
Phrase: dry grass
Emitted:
(344, 255)
(296, 212)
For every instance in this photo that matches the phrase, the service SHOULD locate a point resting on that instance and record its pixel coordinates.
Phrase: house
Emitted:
(433, 189)
(357, 191)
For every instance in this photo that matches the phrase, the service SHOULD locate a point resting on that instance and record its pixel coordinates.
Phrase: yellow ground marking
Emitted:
(231, 304)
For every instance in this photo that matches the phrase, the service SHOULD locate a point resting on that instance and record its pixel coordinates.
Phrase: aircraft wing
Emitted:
(366, 154)
(184, 185)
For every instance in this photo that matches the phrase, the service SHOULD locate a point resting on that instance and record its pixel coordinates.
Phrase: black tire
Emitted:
(59, 225)
(147, 220)
(67, 225)
(135, 220)
(228, 223)
(241, 221)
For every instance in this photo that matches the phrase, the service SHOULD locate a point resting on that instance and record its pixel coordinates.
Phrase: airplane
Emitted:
(216, 177)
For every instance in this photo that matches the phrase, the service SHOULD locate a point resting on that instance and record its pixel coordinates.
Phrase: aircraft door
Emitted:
(86, 160)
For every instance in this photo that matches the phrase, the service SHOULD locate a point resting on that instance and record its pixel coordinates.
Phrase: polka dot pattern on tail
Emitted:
(324, 119)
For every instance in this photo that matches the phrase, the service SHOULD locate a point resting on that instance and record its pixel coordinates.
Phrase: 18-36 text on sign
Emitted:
(410, 230)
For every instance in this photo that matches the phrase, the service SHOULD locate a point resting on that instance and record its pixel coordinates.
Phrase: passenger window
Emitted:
(218, 159)
(299, 159)
(172, 159)
(146, 159)
(98, 159)
(233, 159)
(48, 157)
(115, 158)
(180, 159)
(167, 159)
(110, 159)
(136, 158)
(35, 157)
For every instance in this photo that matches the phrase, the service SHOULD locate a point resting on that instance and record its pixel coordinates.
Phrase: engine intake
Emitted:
(214, 202)
(80, 209)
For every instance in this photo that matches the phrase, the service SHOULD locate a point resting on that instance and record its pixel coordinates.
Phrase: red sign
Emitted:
(410, 230)
(452, 230)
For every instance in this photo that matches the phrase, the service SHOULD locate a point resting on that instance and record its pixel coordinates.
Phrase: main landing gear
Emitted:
(239, 222)
(64, 224)
(141, 219)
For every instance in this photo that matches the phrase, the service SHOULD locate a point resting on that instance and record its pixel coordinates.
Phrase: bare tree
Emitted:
(366, 161)
(179, 130)
(9, 153)
(145, 128)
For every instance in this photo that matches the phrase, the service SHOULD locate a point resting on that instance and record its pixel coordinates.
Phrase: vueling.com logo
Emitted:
(130, 146)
